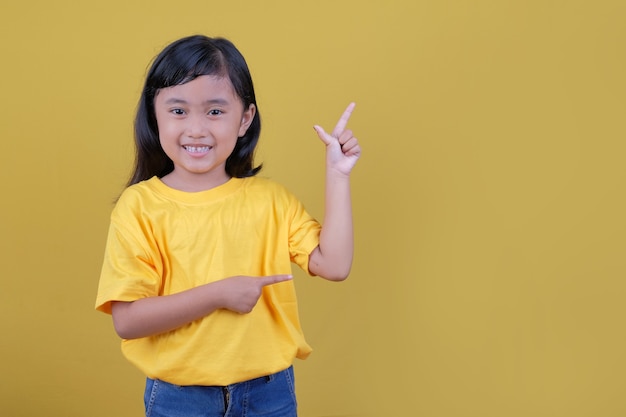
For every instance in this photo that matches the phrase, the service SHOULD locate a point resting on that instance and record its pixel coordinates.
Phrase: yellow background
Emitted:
(489, 201)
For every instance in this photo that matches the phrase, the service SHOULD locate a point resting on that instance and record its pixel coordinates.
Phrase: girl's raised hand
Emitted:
(342, 148)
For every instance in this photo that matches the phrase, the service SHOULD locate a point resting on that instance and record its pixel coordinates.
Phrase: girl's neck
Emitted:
(193, 183)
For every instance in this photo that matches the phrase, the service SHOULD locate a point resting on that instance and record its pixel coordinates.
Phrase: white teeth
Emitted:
(197, 149)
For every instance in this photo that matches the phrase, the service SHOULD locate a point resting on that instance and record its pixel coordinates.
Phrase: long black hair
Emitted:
(179, 63)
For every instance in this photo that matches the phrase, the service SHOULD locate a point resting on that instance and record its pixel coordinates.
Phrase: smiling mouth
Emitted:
(197, 149)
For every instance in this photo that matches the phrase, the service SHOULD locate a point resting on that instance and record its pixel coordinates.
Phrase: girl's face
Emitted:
(199, 123)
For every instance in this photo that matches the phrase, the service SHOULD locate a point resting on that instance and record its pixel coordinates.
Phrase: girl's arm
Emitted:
(332, 259)
(154, 315)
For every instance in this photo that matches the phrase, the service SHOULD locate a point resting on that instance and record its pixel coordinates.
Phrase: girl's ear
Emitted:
(246, 119)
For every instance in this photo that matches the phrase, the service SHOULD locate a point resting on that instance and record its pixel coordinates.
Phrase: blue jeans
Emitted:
(268, 396)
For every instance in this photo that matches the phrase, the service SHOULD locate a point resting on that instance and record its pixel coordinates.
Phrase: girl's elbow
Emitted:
(337, 278)
(333, 269)
(336, 275)
(123, 334)
(122, 329)
(120, 322)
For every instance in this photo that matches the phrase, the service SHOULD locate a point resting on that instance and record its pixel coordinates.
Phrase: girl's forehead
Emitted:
(202, 86)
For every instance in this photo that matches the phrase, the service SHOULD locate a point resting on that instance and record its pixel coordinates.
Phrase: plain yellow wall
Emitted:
(489, 202)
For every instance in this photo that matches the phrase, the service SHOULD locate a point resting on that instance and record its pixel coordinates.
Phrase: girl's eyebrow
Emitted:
(218, 101)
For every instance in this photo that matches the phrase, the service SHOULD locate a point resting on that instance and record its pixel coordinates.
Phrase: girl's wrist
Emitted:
(334, 174)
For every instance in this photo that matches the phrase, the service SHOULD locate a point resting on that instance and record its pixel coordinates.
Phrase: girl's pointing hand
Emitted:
(241, 293)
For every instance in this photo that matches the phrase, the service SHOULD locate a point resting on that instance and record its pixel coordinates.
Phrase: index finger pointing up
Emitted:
(343, 121)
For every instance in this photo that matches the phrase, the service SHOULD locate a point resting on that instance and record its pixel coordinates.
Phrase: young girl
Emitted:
(196, 271)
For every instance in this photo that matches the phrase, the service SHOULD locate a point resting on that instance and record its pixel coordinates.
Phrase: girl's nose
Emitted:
(198, 127)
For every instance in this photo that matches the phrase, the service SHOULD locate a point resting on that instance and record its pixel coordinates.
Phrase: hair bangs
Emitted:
(186, 64)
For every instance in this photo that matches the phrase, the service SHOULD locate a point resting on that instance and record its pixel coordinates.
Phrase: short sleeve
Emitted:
(132, 268)
(304, 234)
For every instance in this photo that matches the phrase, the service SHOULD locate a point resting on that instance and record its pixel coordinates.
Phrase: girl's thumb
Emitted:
(325, 137)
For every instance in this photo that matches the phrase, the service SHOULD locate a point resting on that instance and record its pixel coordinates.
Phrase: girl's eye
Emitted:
(178, 112)
(215, 112)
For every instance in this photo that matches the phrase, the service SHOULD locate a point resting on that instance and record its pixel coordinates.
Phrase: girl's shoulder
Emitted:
(266, 186)
(138, 191)
(138, 199)
(263, 182)
(264, 191)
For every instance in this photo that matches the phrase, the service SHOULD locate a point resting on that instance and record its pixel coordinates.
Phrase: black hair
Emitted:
(180, 62)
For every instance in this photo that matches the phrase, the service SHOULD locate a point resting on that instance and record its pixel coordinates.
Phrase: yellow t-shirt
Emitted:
(163, 241)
